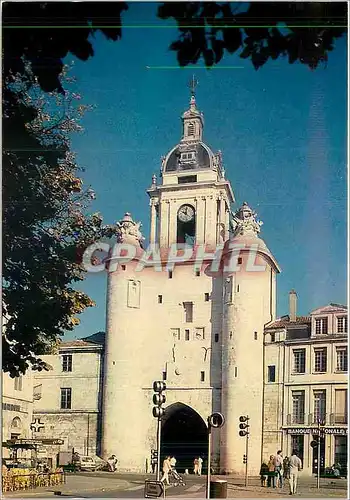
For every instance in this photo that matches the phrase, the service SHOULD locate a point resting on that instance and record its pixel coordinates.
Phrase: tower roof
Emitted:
(191, 153)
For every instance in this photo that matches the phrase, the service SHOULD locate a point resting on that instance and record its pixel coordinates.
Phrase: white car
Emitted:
(86, 464)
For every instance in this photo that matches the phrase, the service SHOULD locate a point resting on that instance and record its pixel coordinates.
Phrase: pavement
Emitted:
(121, 485)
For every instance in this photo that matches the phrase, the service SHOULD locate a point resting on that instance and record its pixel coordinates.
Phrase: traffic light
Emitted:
(244, 459)
(244, 426)
(158, 398)
(154, 455)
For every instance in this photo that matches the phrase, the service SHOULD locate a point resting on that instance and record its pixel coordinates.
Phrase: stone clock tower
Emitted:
(192, 203)
(199, 332)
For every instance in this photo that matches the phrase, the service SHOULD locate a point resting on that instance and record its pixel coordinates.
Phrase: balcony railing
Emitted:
(336, 418)
(312, 419)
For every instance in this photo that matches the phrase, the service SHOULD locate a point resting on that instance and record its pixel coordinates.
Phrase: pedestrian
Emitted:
(286, 468)
(200, 463)
(166, 470)
(264, 472)
(278, 467)
(295, 466)
(271, 478)
(195, 466)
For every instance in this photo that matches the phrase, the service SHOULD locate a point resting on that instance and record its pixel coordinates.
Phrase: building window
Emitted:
(299, 360)
(198, 273)
(188, 312)
(123, 267)
(170, 274)
(199, 333)
(271, 373)
(342, 359)
(190, 129)
(341, 406)
(18, 383)
(160, 299)
(66, 398)
(187, 335)
(236, 371)
(206, 297)
(297, 443)
(298, 407)
(342, 324)
(321, 326)
(164, 375)
(176, 333)
(273, 337)
(321, 360)
(67, 362)
(340, 450)
(202, 376)
(255, 335)
(216, 337)
(319, 405)
(237, 288)
(187, 179)
(188, 156)
(239, 260)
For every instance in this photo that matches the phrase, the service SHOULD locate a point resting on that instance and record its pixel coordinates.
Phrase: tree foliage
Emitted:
(300, 31)
(45, 220)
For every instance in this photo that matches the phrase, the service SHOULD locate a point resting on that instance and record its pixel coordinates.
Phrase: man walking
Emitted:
(278, 462)
(200, 463)
(294, 467)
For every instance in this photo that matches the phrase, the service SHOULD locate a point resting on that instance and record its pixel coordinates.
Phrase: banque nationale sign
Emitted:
(340, 431)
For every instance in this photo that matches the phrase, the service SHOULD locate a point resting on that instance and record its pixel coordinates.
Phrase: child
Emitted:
(264, 469)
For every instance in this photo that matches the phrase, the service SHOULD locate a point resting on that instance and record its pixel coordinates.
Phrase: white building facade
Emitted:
(305, 382)
(68, 398)
(17, 412)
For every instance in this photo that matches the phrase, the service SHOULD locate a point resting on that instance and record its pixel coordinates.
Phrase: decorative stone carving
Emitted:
(245, 221)
(129, 232)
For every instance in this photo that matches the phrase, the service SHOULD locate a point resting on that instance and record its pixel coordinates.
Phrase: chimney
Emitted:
(292, 305)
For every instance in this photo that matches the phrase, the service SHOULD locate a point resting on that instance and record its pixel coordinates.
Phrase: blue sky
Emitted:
(282, 131)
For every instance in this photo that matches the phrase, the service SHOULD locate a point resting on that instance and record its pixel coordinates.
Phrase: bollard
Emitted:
(218, 489)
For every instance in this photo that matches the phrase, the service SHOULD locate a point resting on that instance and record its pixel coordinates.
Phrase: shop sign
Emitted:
(301, 430)
(340, 431)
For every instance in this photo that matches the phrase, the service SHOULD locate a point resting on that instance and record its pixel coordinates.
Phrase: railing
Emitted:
(336, 418)
(14, 481)
(295, 419)
(313, 418)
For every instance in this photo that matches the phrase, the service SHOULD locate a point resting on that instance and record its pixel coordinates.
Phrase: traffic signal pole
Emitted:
(159, 430)
(246, 462)
(209, 461)
(319, 454)
(158, 411)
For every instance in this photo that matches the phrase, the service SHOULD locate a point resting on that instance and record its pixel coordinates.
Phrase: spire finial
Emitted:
(193, 84)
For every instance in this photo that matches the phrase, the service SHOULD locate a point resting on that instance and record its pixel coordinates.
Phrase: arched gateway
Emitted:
(184, 435)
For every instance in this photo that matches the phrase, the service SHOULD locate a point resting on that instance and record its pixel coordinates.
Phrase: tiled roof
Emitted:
(75, 343)
(285, 322)
(93, 340)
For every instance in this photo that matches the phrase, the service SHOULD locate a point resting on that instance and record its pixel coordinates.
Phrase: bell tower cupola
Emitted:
(191, 201)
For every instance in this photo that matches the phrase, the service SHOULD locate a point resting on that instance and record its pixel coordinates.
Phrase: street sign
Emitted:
(52, 441)
(154, 489)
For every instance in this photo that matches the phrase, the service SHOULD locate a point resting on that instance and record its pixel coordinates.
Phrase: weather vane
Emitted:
(193, 85)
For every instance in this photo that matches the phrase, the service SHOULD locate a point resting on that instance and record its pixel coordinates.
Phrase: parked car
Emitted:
(85, 464)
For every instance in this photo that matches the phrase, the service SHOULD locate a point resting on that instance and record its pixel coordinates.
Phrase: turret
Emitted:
(249, 303)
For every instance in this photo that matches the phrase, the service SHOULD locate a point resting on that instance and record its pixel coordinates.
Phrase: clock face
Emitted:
(186, 213)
